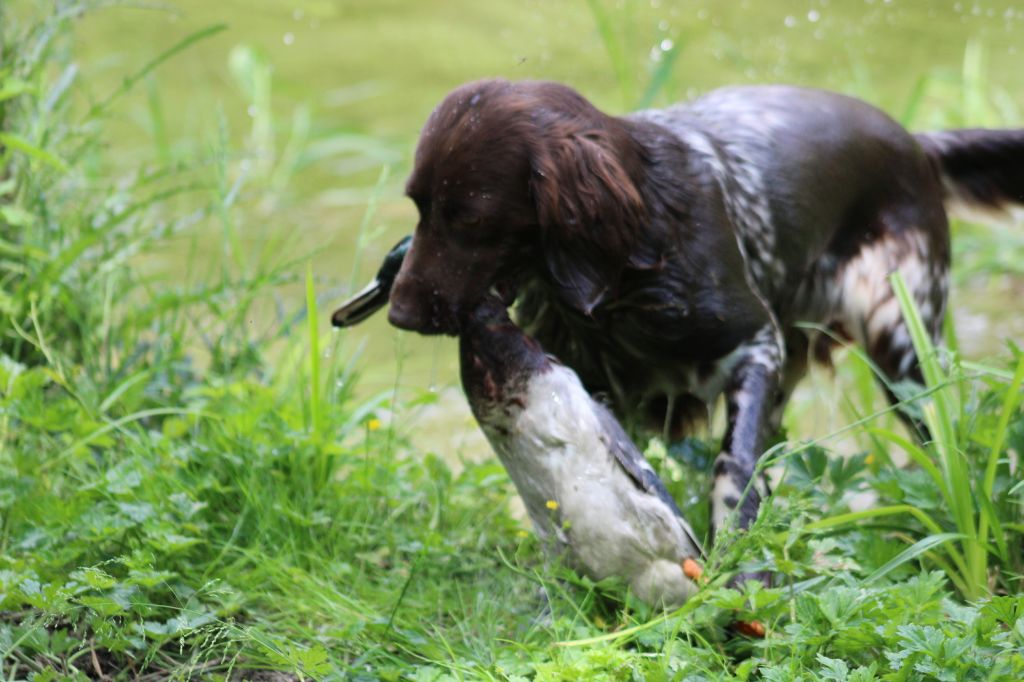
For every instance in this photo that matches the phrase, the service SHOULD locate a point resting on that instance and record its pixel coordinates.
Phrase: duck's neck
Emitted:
(497, 361)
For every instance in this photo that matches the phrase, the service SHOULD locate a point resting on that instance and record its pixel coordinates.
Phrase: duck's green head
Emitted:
(393, 263)
(374, 295)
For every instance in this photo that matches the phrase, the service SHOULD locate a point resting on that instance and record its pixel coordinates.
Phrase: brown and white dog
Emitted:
(666, 256)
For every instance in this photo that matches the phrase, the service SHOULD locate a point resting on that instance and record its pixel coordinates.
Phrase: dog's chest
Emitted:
(666, 394)
(654, 381)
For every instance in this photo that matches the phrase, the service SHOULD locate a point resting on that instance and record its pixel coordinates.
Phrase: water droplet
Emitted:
(813, 16)
(288, 38)
(298, 13)
(666, 45)
(251, 111)
(789, 21)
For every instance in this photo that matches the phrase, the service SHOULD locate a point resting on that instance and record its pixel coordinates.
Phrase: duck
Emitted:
(591, 495)
(374, 295)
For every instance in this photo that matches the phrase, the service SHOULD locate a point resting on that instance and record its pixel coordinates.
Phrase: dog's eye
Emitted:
(460, 214)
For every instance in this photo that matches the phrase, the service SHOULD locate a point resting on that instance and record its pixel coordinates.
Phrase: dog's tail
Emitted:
(982, 172)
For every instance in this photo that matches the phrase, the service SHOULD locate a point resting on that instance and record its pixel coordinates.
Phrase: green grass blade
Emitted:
(19, 144)
(911, 553)
(616, 51)
(118, 423)
(660, 77)
(938, 412)
(130, 81)
(1011, 400)
(916, 453)
(986, 370)
(314, 352)
(989, 514)
(914, 101)
(369, 213)
(852, 517)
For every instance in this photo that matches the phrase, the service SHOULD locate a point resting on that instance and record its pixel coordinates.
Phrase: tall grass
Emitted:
(960, 497)
(966, 480)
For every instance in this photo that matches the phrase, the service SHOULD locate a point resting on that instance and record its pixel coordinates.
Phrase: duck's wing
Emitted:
(639, 469)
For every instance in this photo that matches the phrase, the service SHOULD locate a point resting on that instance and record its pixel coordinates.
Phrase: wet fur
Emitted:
(667, 255)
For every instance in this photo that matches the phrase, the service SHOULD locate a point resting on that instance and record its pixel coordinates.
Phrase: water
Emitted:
(370, 72)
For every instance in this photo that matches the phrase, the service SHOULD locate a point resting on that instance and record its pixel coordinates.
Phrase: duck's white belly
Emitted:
(579, 496)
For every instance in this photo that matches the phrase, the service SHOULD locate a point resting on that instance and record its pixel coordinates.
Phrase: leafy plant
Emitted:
(962, 492)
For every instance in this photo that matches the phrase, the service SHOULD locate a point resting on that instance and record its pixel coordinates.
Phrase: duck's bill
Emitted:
(372, 298)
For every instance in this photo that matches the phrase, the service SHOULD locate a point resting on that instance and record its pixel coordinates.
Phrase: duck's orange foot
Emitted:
(750, 628)
(692, 570)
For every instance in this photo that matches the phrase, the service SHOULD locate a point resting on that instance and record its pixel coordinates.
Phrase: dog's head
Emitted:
(514, 180)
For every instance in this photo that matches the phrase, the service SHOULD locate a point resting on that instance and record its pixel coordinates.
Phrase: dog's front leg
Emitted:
(750, 396)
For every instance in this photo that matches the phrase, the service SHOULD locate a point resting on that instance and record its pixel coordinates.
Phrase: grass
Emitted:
(183, 496)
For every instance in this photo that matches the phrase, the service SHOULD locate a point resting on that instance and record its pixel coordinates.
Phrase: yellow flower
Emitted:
(522, 534)
(870, 459)
(373, 424)
(551, 504)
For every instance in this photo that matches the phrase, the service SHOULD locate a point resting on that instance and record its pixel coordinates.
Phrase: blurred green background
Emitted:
(325, 100)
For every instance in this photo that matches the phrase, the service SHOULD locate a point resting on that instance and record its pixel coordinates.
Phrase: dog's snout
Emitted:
(403, 317)
(406, 310)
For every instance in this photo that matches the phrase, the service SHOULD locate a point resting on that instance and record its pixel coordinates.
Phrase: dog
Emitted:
(667, 256)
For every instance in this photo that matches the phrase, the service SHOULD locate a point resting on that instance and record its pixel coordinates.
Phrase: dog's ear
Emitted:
(590, 212)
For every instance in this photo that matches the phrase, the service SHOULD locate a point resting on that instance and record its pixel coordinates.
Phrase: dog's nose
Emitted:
(403, 318)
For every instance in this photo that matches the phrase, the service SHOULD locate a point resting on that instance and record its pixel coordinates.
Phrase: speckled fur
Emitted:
(669, 256)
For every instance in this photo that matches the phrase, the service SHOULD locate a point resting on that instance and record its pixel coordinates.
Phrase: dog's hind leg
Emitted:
(870, 312)
(798, 346)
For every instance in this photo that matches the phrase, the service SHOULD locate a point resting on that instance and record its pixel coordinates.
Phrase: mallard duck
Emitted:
(374, 295)
(589, 491)
(591, 495)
